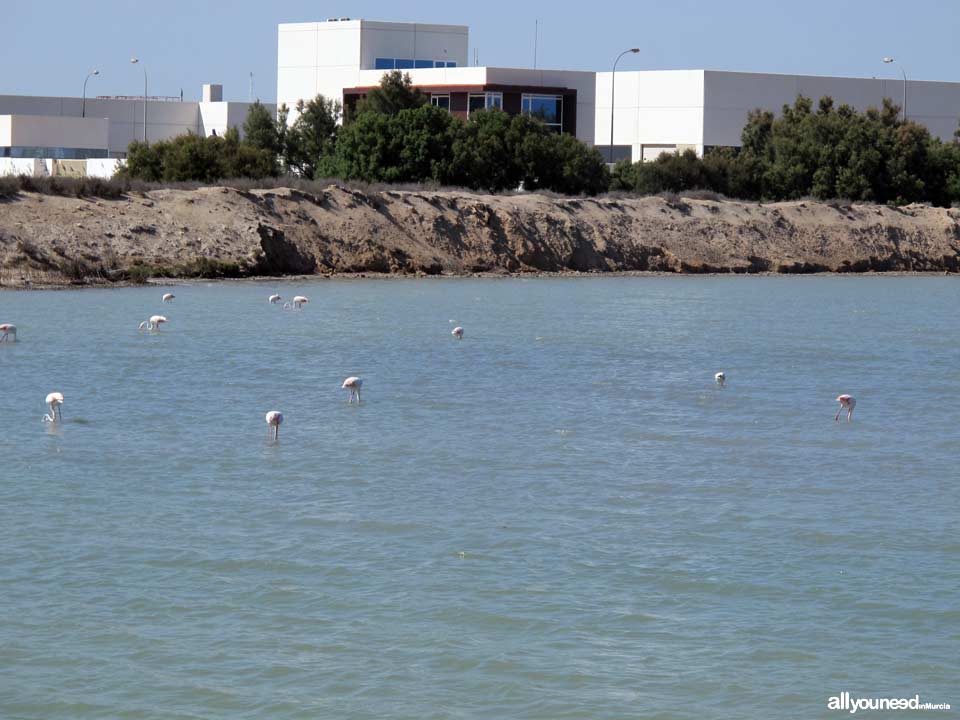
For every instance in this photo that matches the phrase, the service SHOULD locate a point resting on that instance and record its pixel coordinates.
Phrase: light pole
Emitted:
(888, 61)
(134, 61)
(613, 81)
(83, 109)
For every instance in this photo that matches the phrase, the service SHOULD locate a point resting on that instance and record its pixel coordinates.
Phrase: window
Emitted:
(482, 101)
(546, 108)
(406, 64)
(440, 101)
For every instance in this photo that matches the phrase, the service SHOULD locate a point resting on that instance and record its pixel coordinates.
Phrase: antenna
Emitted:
(536, 35)
(250, 97)
(476, 57)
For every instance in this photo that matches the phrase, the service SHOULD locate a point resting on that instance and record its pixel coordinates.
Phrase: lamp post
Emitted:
(134, 61)
(83, 109)
(888, 61)
(613, 81)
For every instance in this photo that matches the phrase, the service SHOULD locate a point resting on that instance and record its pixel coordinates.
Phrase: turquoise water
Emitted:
(560, 516)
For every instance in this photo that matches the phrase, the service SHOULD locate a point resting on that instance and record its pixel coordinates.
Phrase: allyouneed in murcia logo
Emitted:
(845, 701)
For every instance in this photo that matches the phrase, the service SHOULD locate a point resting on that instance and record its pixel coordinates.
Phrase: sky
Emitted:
(50, 45)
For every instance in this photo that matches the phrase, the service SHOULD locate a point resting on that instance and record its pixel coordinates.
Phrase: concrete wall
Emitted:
(656, 111)
(414, 41)
(324, 58)
(21, 166)
(125, 117)
(6, 130)
(55, 131)
(730, 96)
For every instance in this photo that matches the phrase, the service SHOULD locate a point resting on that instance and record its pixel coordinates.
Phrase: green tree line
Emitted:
(394, 135)
(824, 153)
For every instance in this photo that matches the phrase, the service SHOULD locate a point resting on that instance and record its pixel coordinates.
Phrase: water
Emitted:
(560, 516)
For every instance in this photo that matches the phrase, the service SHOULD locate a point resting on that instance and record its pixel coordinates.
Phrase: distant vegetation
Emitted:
(395, 136)
(828, 153)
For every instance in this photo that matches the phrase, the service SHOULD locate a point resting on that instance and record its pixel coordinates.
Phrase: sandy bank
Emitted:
(221, 232)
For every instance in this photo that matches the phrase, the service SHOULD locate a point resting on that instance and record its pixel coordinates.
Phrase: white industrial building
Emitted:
(656, 111)
(67, 131)
(669, 110)
(342, 59)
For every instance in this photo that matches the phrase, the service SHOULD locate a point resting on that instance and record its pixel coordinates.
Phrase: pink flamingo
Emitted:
(353, 384)
(8, 330)
(457, 332)
(848, 403)
(274, 419)
(54, 400)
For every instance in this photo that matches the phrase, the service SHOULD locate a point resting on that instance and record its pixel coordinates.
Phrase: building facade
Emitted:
(671, 110)
(343, 59)
(67, 128)
(655, 112)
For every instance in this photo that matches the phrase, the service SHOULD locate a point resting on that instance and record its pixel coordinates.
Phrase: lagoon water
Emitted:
(560, 516)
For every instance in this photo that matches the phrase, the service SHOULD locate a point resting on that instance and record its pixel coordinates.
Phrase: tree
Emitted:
(415, 145)
(310, 142)
(395, 93)
(260, 129)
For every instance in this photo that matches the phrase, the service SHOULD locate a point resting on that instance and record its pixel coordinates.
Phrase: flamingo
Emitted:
(54, 400)
(168, 297)
(274, 419)
(848, 403)
(153, 323)
(8, 329)
(457, 332)
(353, 384)
(274, 299)
(299, 300)
(721, 378)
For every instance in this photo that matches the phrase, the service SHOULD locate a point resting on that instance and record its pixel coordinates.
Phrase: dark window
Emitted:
(476, 102)
(451, 64)
(620, 152)
(546, 108)
(423, 63)
(404, 64)
(384, 64)
(441, 101)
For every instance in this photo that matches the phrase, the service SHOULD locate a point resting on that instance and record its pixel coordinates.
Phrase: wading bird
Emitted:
(353, 384)
(848, 403)
(168, 297)
(274, 299)
(153, 323)
(274, 419)
(299, 300)
(54, 400)
(721, 378)
(8, 333)
(457, 332)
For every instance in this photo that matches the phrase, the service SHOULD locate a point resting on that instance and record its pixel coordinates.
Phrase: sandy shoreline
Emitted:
(342, 233)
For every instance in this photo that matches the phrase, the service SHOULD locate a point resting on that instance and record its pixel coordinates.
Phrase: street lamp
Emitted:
(889, 60)
(613, 81)
(134, 61)
(83, 110)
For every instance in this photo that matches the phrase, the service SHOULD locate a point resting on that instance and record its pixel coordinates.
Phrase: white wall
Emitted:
(102, 167)
(21, 166)
(661, 108)
(56, 131)
(730, 96)
(413, 41)
(324, 58)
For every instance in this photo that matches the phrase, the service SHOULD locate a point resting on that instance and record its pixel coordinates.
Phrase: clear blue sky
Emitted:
(48, 45)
